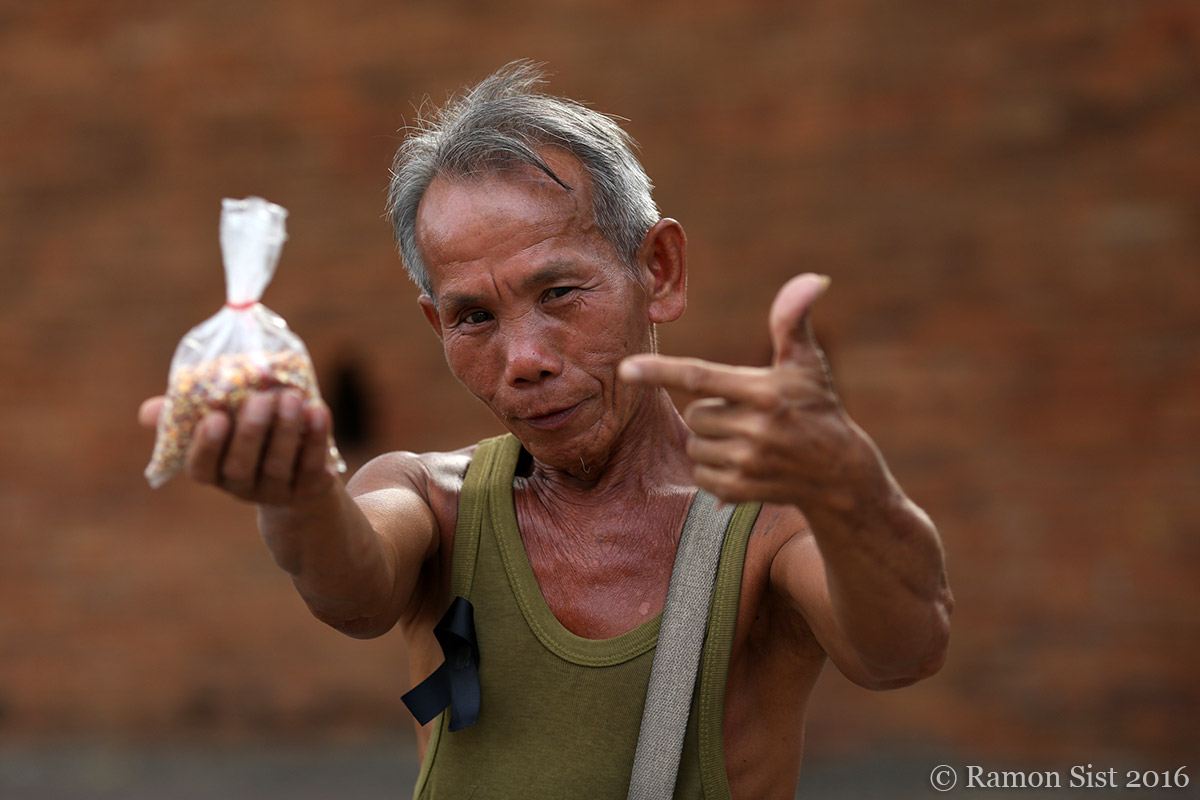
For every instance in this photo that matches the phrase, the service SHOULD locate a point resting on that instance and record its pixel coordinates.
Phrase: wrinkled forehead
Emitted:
(497, 214)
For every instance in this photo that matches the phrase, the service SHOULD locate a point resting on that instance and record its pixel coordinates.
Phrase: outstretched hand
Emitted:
(775, 433)
(272, 452)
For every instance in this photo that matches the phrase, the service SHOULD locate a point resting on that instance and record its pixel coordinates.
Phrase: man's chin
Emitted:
(561, 450)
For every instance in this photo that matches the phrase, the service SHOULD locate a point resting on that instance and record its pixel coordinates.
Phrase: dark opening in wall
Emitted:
(350, 404)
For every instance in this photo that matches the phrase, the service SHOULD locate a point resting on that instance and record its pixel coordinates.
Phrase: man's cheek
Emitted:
(464, 363)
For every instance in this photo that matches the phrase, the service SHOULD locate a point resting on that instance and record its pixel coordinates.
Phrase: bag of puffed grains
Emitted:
(243, 348)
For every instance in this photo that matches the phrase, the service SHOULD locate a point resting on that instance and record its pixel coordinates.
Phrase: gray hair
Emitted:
(502, 122)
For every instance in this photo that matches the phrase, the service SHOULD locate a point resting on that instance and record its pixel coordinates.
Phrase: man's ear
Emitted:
(431, 314)
(662, 262)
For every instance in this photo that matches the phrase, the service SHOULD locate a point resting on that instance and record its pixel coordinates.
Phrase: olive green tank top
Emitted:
(560, 714)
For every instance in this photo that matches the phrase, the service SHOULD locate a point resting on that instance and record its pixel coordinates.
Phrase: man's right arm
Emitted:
(354, 560)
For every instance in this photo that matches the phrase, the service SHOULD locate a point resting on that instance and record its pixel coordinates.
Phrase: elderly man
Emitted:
(544, 267)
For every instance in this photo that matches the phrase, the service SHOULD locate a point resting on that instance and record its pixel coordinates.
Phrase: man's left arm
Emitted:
(871, 579)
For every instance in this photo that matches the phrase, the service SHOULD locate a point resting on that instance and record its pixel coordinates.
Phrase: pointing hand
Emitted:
(774, 433)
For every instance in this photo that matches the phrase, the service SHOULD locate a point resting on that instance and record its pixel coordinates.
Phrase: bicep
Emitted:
(393, 499)
(798, 576)
(403, 521)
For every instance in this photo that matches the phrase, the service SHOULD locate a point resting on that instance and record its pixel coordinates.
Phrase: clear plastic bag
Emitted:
(243, 348)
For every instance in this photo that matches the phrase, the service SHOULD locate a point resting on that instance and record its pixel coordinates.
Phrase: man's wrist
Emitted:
(315, 502)
(288, 528)
(856, 484)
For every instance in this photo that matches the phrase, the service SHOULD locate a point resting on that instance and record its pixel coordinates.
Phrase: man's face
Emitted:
(534, 307)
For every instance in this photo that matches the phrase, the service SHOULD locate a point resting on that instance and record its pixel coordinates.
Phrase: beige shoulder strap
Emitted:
(680, 638)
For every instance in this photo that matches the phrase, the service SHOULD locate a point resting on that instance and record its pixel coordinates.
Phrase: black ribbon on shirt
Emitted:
(456, 682)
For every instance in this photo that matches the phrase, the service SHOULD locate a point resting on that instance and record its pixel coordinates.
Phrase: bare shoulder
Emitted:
(779, 528)
(435, 477)
(778, 523)
(790, 554)
(425, 472)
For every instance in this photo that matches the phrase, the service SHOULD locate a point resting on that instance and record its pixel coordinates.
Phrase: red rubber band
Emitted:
(242, 306)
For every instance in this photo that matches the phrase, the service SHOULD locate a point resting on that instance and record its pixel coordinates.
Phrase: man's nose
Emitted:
(529, 357)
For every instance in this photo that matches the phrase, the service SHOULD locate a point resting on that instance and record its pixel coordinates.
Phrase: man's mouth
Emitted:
(552, 420)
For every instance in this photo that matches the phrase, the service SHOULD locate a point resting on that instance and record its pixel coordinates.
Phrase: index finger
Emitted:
(695, 376)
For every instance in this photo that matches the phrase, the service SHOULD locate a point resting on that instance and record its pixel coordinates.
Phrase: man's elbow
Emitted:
(918, 663)
(919, 671)
(368, 626)
(896, 676)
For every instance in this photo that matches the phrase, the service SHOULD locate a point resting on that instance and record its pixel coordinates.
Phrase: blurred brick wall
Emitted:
(1006, 194)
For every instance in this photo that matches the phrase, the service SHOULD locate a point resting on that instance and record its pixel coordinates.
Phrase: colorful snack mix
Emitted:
(243, 348)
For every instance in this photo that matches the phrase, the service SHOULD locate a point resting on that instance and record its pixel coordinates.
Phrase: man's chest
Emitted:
(602, 579)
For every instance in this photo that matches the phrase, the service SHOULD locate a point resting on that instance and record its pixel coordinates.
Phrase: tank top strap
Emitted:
(718, 647)
(484, 470)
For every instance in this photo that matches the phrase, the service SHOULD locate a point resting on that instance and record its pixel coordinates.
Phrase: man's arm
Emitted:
(870, 579)
(355, 561)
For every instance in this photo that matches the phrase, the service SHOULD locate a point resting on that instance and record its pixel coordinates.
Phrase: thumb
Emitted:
(149, 411)
(790, 333)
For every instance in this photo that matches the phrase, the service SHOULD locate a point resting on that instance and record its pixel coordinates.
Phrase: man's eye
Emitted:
(476, 318)
(559, 291)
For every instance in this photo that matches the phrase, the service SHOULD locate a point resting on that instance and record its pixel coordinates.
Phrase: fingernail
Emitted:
(215, 428)
(629, 371)
(289, 406)
(258, 409)
(317, 418)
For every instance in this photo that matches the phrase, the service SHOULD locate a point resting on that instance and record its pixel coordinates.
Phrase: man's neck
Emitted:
(648, 457)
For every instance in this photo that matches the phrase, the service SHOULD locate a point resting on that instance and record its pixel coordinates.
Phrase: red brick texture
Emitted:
(1007, 196)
